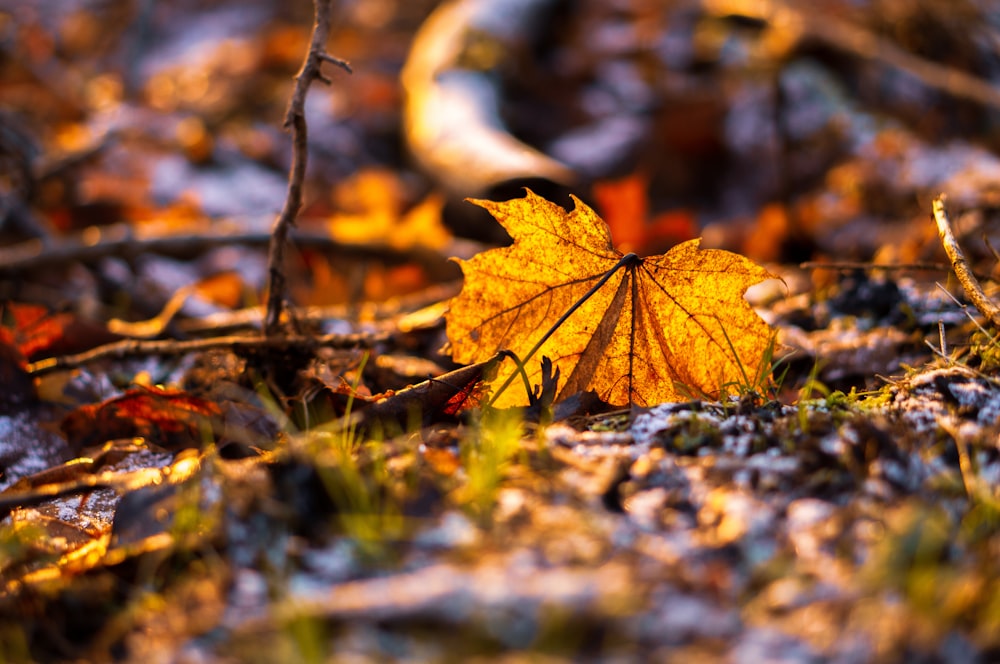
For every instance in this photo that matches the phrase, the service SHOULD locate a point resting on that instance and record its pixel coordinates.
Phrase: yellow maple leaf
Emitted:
(655, 325)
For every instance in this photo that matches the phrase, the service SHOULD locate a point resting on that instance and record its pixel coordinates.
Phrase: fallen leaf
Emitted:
(226, 289)
(39, 333)
(657, 324)
(169, 418)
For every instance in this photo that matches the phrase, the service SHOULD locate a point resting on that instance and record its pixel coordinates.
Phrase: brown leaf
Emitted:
(656, 324)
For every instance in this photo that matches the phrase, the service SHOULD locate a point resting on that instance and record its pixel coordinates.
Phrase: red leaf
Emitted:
(39, 333)
(169, 418)
(624, 205)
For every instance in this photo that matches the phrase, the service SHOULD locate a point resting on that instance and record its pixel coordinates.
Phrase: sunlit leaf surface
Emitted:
(658, 329)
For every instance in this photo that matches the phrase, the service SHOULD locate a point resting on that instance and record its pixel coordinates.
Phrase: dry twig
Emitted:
(961, 266)
(859, 42)
(122, 240)
(391, 309)
(852, 266)
(295, 120)
(145, 347)
(862, 265)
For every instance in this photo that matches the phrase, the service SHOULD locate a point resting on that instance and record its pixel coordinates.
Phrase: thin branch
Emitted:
(888, 267)
(960, 265)
(143, 348)
(867, 45)
(121, 240)
(295, 120)
(343, 64)
(861, 43)
(389, 310)
(861, 265)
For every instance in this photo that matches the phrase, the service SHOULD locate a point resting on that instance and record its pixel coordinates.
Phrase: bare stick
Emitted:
(960, 84)
(849, 38)
(961, 266)
(888, 267)
(122, 240)
(295, 120)
(862, 265)
(146, 347)
(389, 310)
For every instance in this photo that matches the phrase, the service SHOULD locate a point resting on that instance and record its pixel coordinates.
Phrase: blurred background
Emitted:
(786, 131)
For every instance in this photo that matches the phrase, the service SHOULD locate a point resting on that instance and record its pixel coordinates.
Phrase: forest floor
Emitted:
(179, 483)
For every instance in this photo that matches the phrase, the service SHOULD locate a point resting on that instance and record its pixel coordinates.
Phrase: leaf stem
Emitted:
(628, 260)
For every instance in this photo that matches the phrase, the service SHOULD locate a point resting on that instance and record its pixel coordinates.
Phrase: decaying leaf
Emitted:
(39, 333)
(656, 325)
(170, 418)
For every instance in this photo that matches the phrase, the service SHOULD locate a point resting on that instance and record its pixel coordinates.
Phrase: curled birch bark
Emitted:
(451, 114)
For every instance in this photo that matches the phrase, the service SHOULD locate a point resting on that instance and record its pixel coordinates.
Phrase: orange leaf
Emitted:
(624, 204)
(39, 333)
(625, 209)
(227, 289)
(657, 323)
(373, 202)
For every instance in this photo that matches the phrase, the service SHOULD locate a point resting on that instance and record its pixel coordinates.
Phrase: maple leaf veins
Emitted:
(656, 325)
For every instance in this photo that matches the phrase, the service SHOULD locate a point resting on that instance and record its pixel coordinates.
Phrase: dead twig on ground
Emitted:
(851, 266)
(862, 265)
(122, 240)
(145, 347)
(250, 318)
(960, 265)
(295, 120)
(861, 43)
